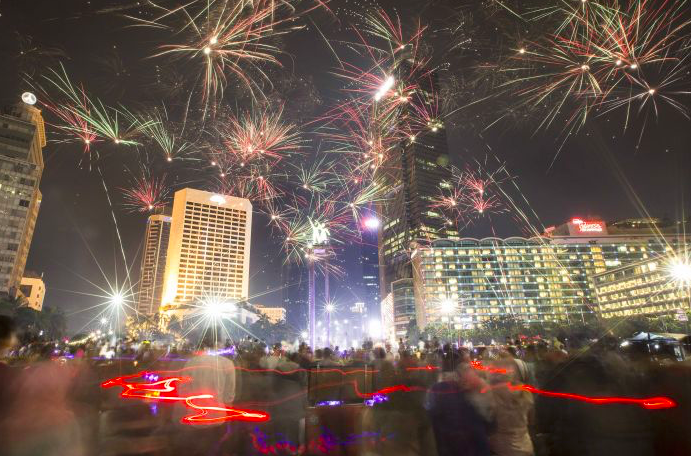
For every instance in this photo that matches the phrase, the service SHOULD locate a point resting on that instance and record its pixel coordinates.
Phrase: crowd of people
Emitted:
(433, 399)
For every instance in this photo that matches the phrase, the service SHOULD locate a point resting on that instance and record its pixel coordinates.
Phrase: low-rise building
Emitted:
(544, 278)
(643, 288)
(33, 289)
(274, 314)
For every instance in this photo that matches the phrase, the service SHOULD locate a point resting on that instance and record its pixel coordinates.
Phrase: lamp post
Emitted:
(447, 307)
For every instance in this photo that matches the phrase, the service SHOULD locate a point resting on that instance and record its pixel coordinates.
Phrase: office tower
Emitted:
(548, 278)
(295, 290)
(153, 264)
(412, 174)
(368, 282)
(22, 138)
(208, 255)
(403, 296)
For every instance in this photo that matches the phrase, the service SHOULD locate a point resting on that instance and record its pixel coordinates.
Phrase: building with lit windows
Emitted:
(208, 254)
(153, 264)
(403, 297)
(22, 138)
(274, 314)
(387, 330)
(367, 281)
(412, 174)
(539, 279)
(642, 288)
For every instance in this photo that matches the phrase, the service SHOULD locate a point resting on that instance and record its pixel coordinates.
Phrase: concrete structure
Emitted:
(22, 138)
(368, 282)
(412, 174)
(642, 288)
(274, 314)
(153, 264)
(208, 255)
(34, 290)
(387, 328)
(538, 279)
(403, 296)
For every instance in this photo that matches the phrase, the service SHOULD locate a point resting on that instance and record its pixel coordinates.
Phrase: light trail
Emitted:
(166, 390)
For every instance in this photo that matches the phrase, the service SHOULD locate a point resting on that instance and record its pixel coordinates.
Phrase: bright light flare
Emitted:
(385, 87)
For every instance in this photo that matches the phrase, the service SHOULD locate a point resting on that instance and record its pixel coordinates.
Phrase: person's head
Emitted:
(450, 362)
(8, 334)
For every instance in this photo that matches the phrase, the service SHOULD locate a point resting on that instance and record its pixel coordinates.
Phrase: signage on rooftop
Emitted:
(580, 227)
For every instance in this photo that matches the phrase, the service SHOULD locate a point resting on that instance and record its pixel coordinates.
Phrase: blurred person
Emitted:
(271, 360)
(40, 421)
(460, 426)
(513, 409)
(8, 340)
(215, 375)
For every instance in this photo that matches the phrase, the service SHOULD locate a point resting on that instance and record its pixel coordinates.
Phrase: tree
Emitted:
(413, 332)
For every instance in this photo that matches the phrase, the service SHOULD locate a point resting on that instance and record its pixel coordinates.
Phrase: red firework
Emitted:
(146, 194)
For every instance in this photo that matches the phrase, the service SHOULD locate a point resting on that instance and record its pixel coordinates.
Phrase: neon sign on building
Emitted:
(586, 226)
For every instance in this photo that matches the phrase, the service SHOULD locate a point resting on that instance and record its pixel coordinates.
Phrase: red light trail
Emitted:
(648, 403)
(166, 390)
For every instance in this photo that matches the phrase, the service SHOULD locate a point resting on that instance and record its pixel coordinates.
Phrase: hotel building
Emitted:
(153, 264)
(642, 288)
(209, 251)
(22, 139)
(544, 278)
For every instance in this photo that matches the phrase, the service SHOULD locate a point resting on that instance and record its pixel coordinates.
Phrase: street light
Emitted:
(104, 320)
(680, 270)
(447, 308)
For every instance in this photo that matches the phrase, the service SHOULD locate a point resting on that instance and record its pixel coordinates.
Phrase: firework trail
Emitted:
(146, 194)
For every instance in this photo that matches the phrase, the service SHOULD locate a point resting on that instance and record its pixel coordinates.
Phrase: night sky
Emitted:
(602, 171)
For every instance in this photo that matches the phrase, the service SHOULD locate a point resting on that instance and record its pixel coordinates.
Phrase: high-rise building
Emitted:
(412, 174)
(469, 281)
(644, 288)
(295, 293)
(403, 296)
(153, 264)
(208, 255)
(368, 280)
(22, 138)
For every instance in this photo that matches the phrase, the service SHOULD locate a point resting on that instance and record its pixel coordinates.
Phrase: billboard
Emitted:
(581, 227)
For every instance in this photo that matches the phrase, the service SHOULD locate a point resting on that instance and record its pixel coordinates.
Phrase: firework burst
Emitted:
(146, 194)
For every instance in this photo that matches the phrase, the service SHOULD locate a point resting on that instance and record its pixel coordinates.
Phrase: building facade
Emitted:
(368, 283)
(208, 254)
(642, 288)
(412, 174)
(34, 290)
(153, 264)
(539, 279)
(403, 297)
(274, 314)
(22, 138)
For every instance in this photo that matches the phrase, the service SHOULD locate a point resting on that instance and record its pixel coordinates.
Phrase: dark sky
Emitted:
(599, 172)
